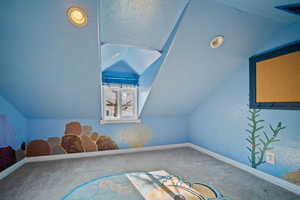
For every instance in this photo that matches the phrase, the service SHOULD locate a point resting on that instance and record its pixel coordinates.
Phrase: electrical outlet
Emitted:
(270, 158)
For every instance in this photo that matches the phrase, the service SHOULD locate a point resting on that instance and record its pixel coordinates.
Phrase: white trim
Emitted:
(267, 177)
(103, 153)
(120, 121)
(12, 168)
(120, 88)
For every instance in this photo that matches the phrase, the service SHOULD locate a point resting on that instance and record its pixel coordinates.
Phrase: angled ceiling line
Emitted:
(99, 90)
(165, 51)
(131, 46)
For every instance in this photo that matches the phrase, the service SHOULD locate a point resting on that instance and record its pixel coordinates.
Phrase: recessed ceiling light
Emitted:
(77, 16)
(217, 41)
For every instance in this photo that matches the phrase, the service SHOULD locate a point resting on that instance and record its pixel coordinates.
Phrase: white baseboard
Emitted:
(19, 164)
(103, 153)
(267, 177)
(272, 179)
(12, 168)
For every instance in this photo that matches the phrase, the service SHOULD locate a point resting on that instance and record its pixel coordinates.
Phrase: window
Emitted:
(119, 103)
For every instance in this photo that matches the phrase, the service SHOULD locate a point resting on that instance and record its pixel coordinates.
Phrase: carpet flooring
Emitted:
(53, 179)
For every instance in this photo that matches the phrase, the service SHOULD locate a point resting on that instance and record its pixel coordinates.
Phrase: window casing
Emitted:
(119, 102)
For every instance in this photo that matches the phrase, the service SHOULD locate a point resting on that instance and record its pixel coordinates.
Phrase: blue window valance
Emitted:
(120, 73)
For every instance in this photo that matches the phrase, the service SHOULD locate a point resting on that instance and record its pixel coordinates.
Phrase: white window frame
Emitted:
(119, 118)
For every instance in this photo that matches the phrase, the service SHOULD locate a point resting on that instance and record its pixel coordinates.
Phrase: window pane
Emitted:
(128, 103)
(111, 102)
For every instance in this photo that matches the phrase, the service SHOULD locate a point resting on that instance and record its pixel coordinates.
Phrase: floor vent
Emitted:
(291, 8)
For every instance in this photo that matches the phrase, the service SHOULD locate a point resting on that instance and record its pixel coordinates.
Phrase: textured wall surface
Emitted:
(163, 130)
(13, 125)
(219, 123)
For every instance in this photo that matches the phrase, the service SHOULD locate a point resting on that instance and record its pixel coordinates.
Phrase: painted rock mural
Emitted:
(76, 139)
(7, 157)
(55, 144)
(38, 148)
(88, 144)
(293, 177)
(73, 128)
(106, 143)
(72, 144)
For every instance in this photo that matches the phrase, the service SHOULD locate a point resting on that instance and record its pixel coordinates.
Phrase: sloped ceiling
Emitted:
(265, 8)
(142, 23)
(138, 58)
(193, 69)
(49, 68)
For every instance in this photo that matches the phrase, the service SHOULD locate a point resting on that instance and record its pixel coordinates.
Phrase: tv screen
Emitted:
(275, 78)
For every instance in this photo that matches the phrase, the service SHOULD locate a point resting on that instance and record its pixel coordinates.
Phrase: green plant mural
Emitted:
(259, 145)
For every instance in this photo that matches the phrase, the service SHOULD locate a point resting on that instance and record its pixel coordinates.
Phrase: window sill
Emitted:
(119, 121)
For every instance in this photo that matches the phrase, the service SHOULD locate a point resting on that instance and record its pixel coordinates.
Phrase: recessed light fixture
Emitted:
(217, 41)
(77, 16)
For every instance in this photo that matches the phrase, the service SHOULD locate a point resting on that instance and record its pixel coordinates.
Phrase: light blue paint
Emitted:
(220, 121)
(149, 76)
(138, 58)
(145, 62)
(146, 81)
(57, 64)
(264, 8)
(16, 122)
(192, 69)
(49, 68)
(167, 130)
(139, 23)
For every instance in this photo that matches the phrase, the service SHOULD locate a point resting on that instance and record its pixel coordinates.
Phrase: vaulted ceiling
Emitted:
(265, 8)
(49, 68)
(138, 58)
(142, 23)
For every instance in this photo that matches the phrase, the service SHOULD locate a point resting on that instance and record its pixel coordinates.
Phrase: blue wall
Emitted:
(219, 122)
(47, 60)
(166, 130)
(17, 123)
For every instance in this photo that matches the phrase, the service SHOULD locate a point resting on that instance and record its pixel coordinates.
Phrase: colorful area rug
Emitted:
(158, 185)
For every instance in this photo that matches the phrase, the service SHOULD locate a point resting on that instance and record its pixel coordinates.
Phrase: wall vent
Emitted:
(291, 8)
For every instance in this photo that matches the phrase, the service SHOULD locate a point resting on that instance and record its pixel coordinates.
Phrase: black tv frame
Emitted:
(290, 48)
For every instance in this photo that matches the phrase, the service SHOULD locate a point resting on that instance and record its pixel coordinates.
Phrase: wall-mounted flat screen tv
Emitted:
(275, 78)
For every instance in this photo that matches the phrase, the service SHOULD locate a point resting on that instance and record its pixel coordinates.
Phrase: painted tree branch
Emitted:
(259, 146)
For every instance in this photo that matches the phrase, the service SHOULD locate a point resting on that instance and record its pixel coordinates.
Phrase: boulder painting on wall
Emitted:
(293, 177)
(77, 138)
(7, 157)
(80, 138)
